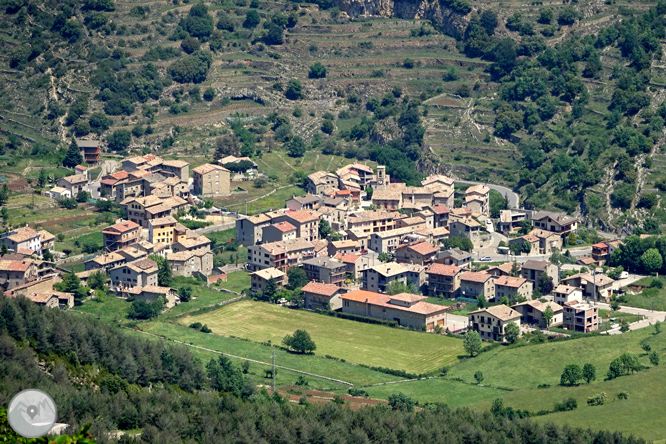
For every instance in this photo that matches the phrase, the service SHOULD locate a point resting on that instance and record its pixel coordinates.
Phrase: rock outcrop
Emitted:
(451, 23)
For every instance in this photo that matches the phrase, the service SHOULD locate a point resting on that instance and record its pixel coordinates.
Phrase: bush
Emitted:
(566, 405)
(119, 140)
(408, 63)
(190, 44)
(317, 71)
(294, 90)
(196, 325)
(252, 19)
(598, 399)
(192, 68)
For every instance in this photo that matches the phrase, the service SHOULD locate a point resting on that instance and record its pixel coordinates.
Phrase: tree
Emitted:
(488, 20)
(297, 278)
(270, 290)
(119, 140)
(571, 375)
(472, 343)
(385, 257)
(294, 90)
(300, 342)
(73, 156)
(657, 327)
(209, 94)
(511, 332)
(190, 44)
(97, 281)
(317, 71)
(275, 35)
(252, 19)
(478, 376)
(481, 301)
(651, 260)
(397, 287)
(224, 23)
(327, 126)
(185, 293)
(163, 270)
(548, 316)
(296, 147)
(545, 284)
(401, 402)
(192, 68)
(324, 229)
(589, 373)
(654, 358)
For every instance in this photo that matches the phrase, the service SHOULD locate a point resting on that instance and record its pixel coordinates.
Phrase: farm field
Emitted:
(315, 364)
(352, 341)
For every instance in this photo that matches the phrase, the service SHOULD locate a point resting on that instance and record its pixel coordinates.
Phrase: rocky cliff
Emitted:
(453, 24)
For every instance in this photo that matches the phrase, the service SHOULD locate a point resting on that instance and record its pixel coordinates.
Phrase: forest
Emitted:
(100, 375)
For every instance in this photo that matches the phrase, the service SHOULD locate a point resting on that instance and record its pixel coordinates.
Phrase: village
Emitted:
(369, 248)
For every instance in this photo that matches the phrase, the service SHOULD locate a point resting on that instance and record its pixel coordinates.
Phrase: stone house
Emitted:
(322, 296)
(491, 322)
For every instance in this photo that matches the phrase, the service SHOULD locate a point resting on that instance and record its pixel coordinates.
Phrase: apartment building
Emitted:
(322, 296)
(162, 230)
(374, 221)
(249, 230)
(580, 317)
(281, 255)
(24, 238)
(378, 277)
(416, 253)
(259, 279)
(532, 313)
(532, 271)
(491, 322)
(142, 210)
(388, 241)
(281, 231)
(444, 280)
(305, 221)
(121, 235)
(325, 270)
(138, 273)
(475, 283)
(477, 199)
(211, 181)
(513, 288)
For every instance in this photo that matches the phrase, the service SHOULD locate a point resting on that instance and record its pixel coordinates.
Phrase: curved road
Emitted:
(512, 197)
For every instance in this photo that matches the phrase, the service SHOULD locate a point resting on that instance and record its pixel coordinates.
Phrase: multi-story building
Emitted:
(416, 253)
(344, 247)
(388, 241)
(282, 255)
(567, 293)
(378, 277)
(475, 283)
(548, 241)
(511, 220)
(191, 241)
(259, 279)
(440, 215)
(134, 274)
(176, 168)
(454, 256)
(15, 273)
(417, 198)
(532, 313)
(47, 240)
(532, 271)
(408, 310)
(580, 317)
(356, 263)
(74, 184)
(325, 270)
(121, 235)
(307, 202)
(305, 221)
(477, 199)
(596, 287)
(90, 151)
(468, 228)
(374, 221)
(105, 262)
(444, 280)
(491, 322)
(513, 288)
(249, 230)
(191, 262)
(211, 181)
(321, 182)
(556, 222)
(322, 296)
(24, 238)
(281, 231)
(142, 210)
(162, 230)
(389, 199)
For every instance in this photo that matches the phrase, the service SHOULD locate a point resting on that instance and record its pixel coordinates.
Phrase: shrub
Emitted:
(598, 399)
(196, 325)
(566, 405)
(317, 71)
(192, 68)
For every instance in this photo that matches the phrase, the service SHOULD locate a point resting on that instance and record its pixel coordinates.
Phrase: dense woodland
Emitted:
(98, 374)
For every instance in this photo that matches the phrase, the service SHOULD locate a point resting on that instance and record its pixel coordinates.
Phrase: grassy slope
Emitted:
(527, 367)
(353, 341)
(310, 363)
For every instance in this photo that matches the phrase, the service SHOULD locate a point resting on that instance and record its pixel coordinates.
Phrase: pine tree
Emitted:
(73, 156)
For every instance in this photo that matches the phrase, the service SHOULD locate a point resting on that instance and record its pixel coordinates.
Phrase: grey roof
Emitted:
(87, 143)
(455, 253)
(536, 265)
(308, 198)
(153, 178)
(559, 217)
(325, 262)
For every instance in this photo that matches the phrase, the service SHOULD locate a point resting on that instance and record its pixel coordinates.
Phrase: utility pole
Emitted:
(246, 207)
(273, 360)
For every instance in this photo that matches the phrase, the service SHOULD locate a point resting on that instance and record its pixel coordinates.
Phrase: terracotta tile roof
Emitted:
(536, 265)
(348, 258)
(565, 289)
(388, 194)
(20, 266)
(284, 226)
(424, 248)
(559, 217)
(77, 178)
(587, 261)
(478, 189)
(108, 258)
(25, 251)
(151, 289)
(369, 216)
(505, 267)
(207, 168)
(175, 163)
(45, 236)
(444, 270)
(346, 244)
(544, 234)
(600, 245)
(437, 178)
(319, 244)
(408, 297)
(475, 276)
(120, 175)
(191, 242)
(601, 279)
(383, 300)
(541, 306)
(143, 265)
(166, 220)
(394, 232)
(501, 312)
(390, 268)
(361, 296)
(268, 273)
(21, 234)
(321, 289)
(510, 281)
(304, 216)
(281, 247)
(121, 227)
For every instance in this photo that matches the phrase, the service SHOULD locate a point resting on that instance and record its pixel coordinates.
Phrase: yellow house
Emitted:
(162, 230)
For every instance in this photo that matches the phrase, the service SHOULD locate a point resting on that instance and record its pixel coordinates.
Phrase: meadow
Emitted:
(355, 342)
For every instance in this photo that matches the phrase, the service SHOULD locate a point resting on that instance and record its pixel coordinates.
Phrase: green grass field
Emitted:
(110, 309)
(650, 298)
(236, 281)
(318, 365)
(533, 365)
(355, 342)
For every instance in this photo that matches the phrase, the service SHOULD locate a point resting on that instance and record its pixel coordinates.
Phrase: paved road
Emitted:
(512, 197)
(586, 251)
(649, 317)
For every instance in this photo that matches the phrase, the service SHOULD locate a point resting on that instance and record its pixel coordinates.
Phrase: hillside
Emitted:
(562, 102)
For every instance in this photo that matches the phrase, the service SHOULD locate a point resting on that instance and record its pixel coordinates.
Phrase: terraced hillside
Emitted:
(530, 95)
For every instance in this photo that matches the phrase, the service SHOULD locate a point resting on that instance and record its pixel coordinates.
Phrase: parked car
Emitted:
(624, 275)
(486, 259)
